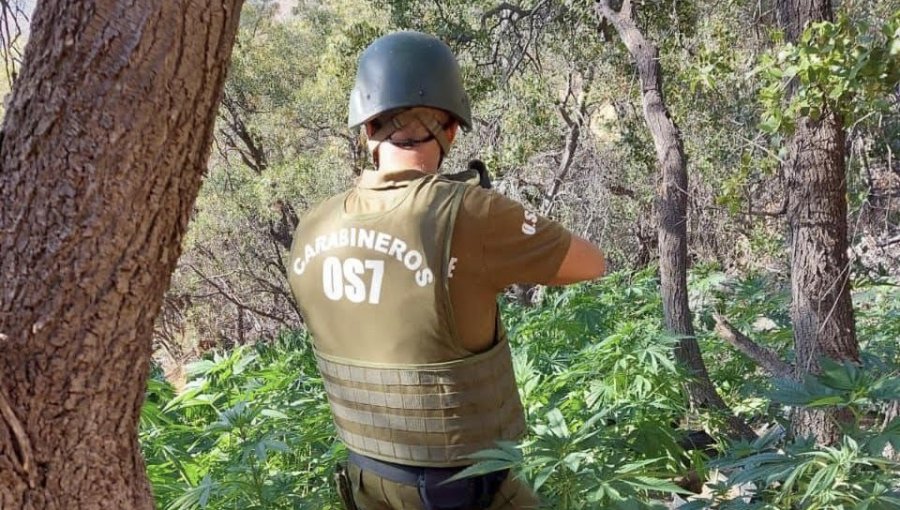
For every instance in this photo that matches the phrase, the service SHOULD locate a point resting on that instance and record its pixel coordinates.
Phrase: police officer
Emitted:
(397, 279)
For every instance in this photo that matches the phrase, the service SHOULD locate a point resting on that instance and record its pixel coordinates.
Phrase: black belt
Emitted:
(397, 473)
(434, 489)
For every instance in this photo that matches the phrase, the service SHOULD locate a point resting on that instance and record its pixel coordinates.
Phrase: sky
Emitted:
(26, 6)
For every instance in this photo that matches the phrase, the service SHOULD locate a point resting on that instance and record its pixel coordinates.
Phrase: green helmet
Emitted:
(404, 70)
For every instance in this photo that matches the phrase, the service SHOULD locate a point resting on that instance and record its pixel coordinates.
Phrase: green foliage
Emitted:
(794, 473)
(845, 385)
(604, 404)
(799, 474)
(757, 304)
(845, 67)
(596, 374)
(877, 309)
(250, 429)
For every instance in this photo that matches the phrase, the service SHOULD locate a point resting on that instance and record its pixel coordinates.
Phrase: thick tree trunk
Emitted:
(671, 203)
(815, 172)
(104, 145)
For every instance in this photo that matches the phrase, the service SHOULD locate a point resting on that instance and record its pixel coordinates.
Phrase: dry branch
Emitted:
(572, 138)
(505, 6)
(252, 153)
(888, 242)
(225, 292)
(763, 356)
(13, 17)
(21, 441)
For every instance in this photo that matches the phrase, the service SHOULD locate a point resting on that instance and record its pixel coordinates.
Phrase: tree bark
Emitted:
(104, 145)
(821, 306)
(671, 204)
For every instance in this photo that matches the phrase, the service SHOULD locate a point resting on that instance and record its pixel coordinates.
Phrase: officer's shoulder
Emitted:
(451, 181)
(467, 179)
(476, 201)
(471, 191)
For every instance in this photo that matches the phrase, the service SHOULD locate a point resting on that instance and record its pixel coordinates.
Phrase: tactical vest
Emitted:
(374, 291)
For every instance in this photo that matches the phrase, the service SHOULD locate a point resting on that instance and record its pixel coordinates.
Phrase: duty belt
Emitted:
(476, 492)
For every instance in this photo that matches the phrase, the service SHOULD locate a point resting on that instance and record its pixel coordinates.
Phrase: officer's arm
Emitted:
(583, 261)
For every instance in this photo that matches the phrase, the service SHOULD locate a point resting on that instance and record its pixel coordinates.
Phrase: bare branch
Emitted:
(20, 440)
(622, 191)
(504, 7)
(255, 155)
(763, 356)
(888, 242)
(626, 11)
(231, 297)
(572, 138)
(10, 31)
(517, 28)
(282, 231)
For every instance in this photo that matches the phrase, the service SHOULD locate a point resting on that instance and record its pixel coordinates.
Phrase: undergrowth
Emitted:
(610, 426)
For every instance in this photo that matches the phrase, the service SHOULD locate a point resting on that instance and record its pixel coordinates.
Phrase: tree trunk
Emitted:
(815, 172)
(104, 145)
(891, 413)
(671, 204)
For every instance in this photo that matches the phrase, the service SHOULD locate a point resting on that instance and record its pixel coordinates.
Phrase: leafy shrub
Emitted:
(251, 430)
(798, 474)
(604, 403)
(602, 393)
(843, 66)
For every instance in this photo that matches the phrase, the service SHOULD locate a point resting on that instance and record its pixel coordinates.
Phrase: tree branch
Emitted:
(888, 242)
(520, 40)
(763, 356)
(626, 10)
(255, 157)
(21, 443)
(504, 6)
(571, 146)
(10, 31)
(230, 297)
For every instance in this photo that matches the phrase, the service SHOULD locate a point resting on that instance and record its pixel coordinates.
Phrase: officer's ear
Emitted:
(451, 131)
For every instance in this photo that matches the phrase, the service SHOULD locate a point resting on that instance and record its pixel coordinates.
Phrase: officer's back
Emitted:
(397, 279)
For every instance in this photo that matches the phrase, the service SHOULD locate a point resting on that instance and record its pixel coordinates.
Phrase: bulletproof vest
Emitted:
(373, 289)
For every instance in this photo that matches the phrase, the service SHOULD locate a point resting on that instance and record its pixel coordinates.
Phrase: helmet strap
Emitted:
(435, 129)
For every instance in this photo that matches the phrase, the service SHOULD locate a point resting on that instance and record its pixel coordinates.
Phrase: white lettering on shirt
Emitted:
(344, 280)
(529, 226)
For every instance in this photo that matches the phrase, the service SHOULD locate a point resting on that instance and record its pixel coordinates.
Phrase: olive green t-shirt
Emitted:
(496, 242)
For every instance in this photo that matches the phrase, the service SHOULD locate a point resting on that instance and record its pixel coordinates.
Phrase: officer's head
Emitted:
(409, 94)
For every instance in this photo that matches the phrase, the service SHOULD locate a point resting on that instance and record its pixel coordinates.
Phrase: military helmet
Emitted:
(404, 70)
